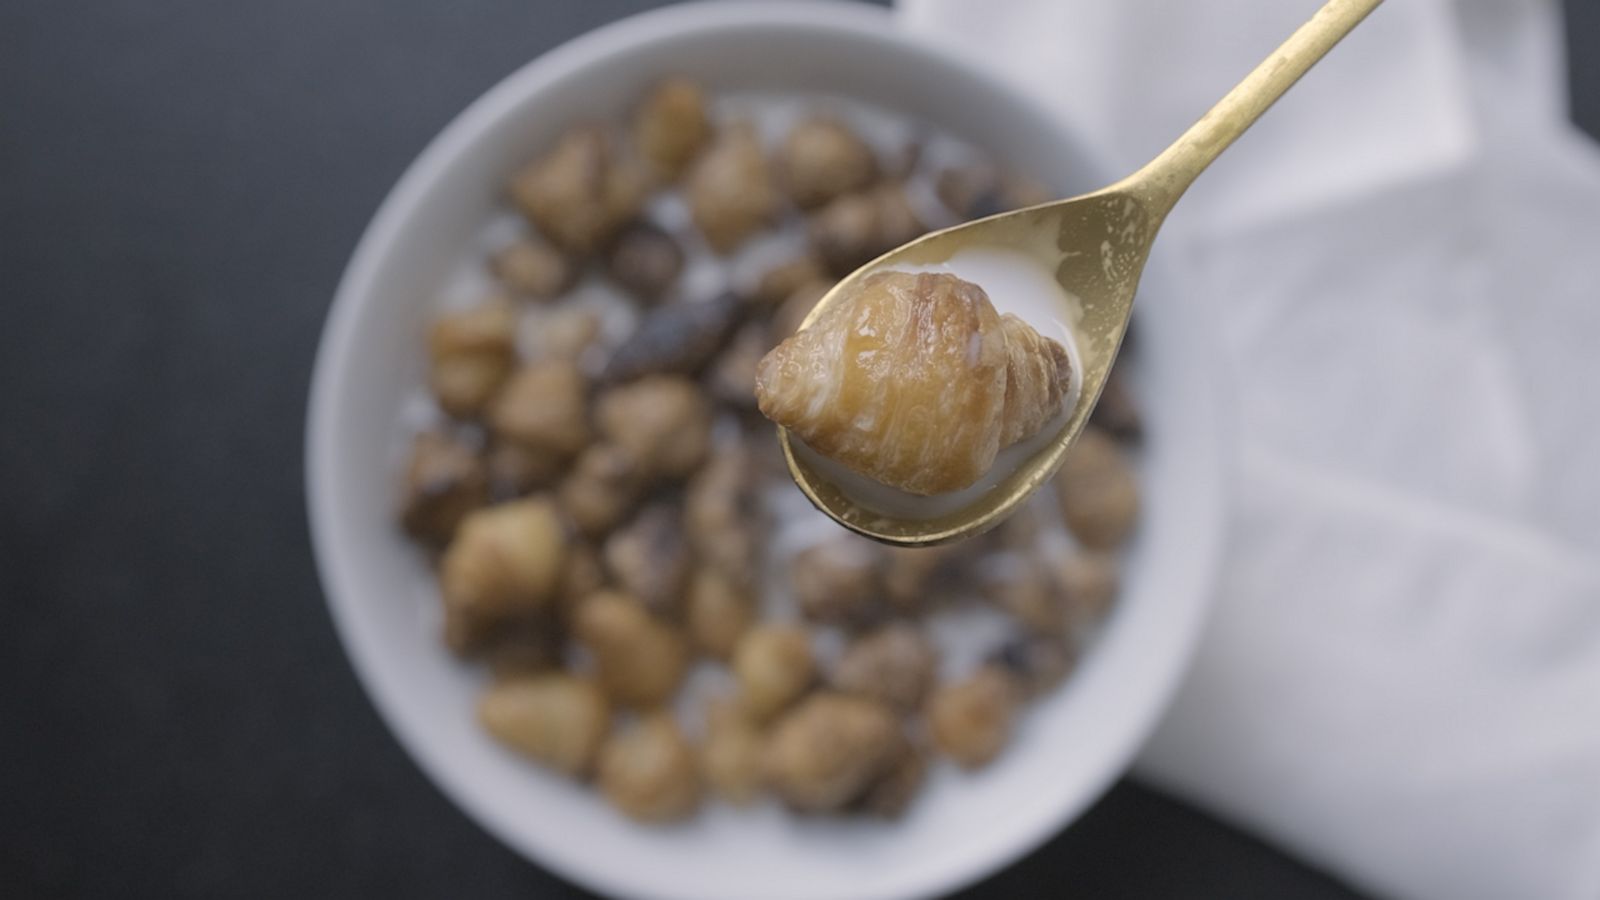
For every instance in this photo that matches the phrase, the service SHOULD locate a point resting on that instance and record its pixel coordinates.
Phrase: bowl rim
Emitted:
(330, 371)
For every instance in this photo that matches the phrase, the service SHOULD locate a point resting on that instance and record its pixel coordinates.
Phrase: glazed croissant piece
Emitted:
(915, 382)
(1037, 373)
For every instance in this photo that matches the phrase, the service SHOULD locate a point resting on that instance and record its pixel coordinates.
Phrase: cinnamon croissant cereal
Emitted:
(914, 381)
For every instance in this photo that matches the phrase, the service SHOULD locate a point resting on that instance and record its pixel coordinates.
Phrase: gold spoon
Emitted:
(1097, 245)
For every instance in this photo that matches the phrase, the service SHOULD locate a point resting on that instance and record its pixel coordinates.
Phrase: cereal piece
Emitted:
(645, 260)
(1088, 584)
(640, 660)
(731, 758)
(1020, 533)
(472, 353)
(730, 190)
(725, 515)
(829, 750)
(662, 421)
(1022, 585)
(605, 483)
(543, 408)
(505, 560)
(720, 609)
(914, 380)
(532, 268)
(679, 338)
(1098, 493)
(778, 283)
(583, 575)
(444, 481)
(822, 158)
(516, 470)
(977, 191)
(839, 581)
(517, 659)
(529, 647)
(891, 793)
(857, 228)
(916, 577)
(894, 665)
(971, 192)
(565, 333)
(473, 633)
(971, 720)
(1038, 372)
(649, 772)
(766, 455)
(732, 377)
(1116, 413)
(672, 125)
(1037, 664)
(774, 667)
(556, 719)
(580, 193)
(649, 558)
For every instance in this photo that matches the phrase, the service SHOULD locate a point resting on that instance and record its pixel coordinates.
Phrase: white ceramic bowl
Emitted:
(1070, 746)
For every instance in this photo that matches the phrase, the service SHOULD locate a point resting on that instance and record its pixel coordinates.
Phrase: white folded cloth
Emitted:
(1401, 681)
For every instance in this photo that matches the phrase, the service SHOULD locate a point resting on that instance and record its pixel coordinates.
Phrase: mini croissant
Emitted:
(915, 381)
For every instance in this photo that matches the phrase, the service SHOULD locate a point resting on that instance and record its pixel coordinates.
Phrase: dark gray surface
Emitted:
(180, 185)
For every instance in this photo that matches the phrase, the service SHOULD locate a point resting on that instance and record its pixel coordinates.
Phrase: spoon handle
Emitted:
(1168, 176)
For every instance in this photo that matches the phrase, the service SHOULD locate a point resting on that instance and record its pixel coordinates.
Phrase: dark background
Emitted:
(180, 186)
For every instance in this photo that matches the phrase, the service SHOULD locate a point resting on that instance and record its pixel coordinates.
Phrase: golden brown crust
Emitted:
(914, 381)
(1037, 376)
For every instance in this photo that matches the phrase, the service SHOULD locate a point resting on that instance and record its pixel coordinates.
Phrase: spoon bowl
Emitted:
(1103, 279)
(1096, 245)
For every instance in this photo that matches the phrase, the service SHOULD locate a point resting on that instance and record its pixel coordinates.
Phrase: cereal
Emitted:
(649, 558)
(649, 772)
(892, 792)
(857, 228)
(828, 751)
(719, 610)
(645, 260)
(731, 757)
(774, 667)
(607, 514)
(839, 581)
(543, 408)
(731, 191)
(895, 664)
(444, 481)
(556, 719)
(672, 125)
(605, 483)
(1098, 493)
(580, 193)
(663, 422)
(640, 660)
(678, 338)
(515, 469)
(820, 159)
(533, 268)
(472, 354)
(504, 561)
(725, 516)
(971, 720)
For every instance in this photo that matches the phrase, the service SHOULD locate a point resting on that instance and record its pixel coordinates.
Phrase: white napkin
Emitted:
(1402, 678)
